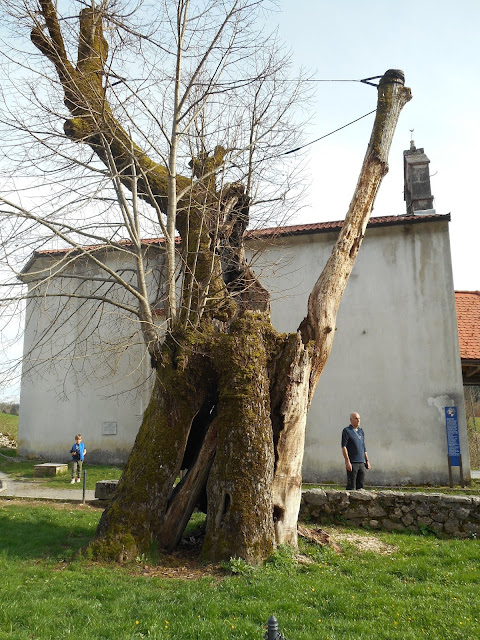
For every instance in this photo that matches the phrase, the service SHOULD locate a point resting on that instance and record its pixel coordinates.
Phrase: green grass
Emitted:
(425, 588)
(470, 423)
(94, 474)
(471, 489)
(8, 453)
(24, 469)
(9, 424)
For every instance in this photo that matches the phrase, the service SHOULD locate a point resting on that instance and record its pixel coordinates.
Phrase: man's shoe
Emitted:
(73, 481)
(78, 479)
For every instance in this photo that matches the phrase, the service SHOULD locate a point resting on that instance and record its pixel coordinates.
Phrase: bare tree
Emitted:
(186, 140)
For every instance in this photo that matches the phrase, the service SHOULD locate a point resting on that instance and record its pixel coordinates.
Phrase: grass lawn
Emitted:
(393, 586)
(24, 469)
(471, 489)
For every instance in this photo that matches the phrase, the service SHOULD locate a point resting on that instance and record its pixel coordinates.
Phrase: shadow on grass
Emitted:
(37, 533)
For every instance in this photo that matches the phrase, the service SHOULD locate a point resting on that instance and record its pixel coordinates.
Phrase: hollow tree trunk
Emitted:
(231, 401)
(233, 450)
(231, 410)
(136, 516)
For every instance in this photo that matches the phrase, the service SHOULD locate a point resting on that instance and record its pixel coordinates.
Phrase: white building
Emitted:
(395, 358)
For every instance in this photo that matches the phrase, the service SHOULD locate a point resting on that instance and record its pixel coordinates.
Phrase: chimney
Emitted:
(417, 191)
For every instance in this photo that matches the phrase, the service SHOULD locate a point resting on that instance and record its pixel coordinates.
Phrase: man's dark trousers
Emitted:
(356, 476)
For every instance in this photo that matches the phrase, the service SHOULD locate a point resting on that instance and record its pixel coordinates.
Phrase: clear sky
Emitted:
(437, 44)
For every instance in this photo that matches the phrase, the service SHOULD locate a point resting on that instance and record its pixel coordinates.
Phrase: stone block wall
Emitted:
(105, 489)
(451, 515)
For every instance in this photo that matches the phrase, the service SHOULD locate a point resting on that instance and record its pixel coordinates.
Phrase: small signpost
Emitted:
(453, 444)
(84, 487)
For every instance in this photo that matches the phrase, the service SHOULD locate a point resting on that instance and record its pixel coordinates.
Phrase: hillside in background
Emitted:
(10, 408)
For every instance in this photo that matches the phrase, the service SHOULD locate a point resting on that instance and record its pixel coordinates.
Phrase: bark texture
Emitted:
(229, 406)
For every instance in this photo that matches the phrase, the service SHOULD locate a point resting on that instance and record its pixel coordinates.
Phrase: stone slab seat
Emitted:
(105, 489)
(50, 469)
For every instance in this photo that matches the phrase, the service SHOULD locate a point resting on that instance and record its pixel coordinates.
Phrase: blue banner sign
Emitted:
(453, 439)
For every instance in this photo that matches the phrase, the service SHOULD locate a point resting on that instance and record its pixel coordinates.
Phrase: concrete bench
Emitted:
(105, 489)
(50, 469)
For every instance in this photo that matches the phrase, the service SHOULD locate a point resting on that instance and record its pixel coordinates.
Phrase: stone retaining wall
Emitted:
(449, 515)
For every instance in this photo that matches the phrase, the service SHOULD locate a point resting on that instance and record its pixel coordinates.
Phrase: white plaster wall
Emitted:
(395, 360)
(70, 385)
(395, 357)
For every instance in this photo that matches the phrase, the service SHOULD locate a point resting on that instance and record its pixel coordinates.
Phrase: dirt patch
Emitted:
(362, 541)
(181, 567)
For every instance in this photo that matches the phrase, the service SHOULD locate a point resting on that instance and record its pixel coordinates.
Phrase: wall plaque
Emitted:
(109, 428)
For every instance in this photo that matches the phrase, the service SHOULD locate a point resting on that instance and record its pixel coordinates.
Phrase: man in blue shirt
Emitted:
(355, 453)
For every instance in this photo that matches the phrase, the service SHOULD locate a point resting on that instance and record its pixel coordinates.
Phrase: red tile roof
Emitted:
(379, 221)
(270, 232)
(273, 232)
(468, 318)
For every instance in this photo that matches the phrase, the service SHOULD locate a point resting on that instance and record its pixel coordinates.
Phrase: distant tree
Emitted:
(14, 409)
(174, 119)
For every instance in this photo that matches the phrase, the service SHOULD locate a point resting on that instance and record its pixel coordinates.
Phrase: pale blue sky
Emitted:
(436, 44)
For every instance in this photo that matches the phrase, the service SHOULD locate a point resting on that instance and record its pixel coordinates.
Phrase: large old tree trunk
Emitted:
(241, 407)
(231, 396)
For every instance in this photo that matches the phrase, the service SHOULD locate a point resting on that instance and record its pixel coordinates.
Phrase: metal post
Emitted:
(462, 481)
(84, 485)
(450, 476)
(272, 628)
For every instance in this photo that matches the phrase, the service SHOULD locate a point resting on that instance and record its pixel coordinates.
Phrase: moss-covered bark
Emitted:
(146, 484)
(229, 450)
(240, 501)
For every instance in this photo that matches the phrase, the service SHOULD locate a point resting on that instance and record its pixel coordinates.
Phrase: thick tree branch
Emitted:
(53, 46)
(324, 300)
(85, 98)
